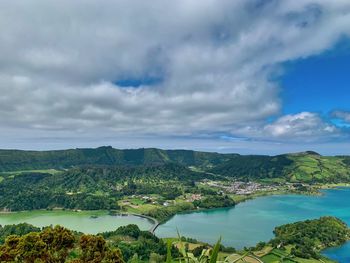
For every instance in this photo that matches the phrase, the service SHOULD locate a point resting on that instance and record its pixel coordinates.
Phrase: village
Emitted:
(239, 187)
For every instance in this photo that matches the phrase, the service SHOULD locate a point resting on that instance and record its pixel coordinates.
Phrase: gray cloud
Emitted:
(60, 62)
(343, 115)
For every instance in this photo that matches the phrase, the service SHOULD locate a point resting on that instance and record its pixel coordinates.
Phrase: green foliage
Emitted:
(207, 255)
(59, 245)
(55, 245)
(129, 230)
(310, 236)
(132, 241)
(198, 250)
(91, 188)
(214, 254)
(302, 167)
(93, 248)
(252, 167)
(168, 254)
(313, 168)
(58, 242)
(260, 246)
(18, 230)
(307, 167)
(49, 245)
(164, 213)
(14, 160)
(214, 202)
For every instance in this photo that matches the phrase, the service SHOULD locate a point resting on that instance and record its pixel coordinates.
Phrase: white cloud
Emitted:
(303, 126)
(60, 60)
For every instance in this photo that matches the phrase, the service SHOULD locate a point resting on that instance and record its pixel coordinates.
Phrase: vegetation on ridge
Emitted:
(16, 160)
(302, 167)
(93, 188)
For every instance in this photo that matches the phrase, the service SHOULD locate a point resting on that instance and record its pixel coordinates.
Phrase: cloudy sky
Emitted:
(247, 76)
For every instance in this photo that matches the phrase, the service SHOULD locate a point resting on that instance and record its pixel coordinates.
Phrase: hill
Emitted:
(308, 238)
(16, 160)
(309, 167)
(93, 187)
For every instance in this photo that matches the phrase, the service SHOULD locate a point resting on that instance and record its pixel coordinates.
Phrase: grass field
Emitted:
(277, 255)
(308, 168)
(270, 258)
(142, 209)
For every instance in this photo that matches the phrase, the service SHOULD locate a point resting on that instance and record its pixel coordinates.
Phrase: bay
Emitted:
(254, 220)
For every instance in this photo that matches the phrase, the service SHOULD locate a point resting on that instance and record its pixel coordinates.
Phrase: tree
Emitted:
(53, 245)
(32, 248)
(9, 252)
(59, 241)
(94, 250)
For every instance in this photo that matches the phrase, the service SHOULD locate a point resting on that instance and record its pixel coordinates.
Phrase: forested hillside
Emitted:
(309, 237)
(15, 160)
(252, 167)
(93, 187)
(307, 167)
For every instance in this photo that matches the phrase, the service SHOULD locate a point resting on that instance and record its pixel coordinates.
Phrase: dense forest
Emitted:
(93, 187)
(309, 237)
(308, 167)
(301, 167)
(15, 160)
(252, 167)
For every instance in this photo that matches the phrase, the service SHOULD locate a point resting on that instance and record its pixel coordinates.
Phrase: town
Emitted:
(239, 187)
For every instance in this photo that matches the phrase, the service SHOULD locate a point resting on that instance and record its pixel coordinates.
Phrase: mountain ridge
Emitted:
(12, 160)
(307, 166)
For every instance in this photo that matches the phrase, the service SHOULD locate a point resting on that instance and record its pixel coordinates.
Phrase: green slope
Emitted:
(301, 167)
(93, 187)
(15, 160)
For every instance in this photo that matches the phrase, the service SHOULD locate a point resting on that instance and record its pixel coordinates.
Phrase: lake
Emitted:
(90, 222)
(253, 221)
(244, 225)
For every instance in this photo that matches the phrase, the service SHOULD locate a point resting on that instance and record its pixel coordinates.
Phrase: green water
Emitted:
(254, 220)
(244, 225)
(79, 221)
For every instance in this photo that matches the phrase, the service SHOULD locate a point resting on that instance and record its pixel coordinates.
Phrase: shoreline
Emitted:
(263, 194)
(157, 223)
(317, 192)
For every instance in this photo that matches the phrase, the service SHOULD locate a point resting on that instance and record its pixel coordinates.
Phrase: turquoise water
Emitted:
(90, 222)
(254, 220)
(340, 254)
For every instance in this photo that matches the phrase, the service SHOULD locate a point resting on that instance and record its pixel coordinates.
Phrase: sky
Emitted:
(245, 76)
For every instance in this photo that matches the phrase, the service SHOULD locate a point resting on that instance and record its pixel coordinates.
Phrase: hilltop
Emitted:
(295, 167)
(306, 167)
(16, 160)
